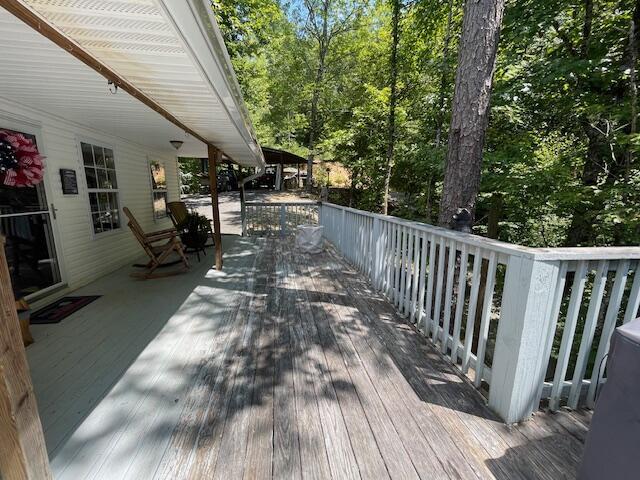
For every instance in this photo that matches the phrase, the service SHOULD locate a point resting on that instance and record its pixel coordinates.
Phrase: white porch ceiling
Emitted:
(137, 39)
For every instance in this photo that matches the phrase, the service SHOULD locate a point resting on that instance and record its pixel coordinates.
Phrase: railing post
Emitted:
(523, 330)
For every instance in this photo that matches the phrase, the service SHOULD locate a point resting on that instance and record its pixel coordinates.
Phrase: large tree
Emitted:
(470, 112)
(324, 22)
(393, 98)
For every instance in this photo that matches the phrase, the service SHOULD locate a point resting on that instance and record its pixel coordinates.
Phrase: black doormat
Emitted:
(61, 309)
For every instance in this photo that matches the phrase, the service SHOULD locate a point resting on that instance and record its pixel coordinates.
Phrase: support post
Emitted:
(523, 330)
(23, 454)
(243, 212)
(215, 156)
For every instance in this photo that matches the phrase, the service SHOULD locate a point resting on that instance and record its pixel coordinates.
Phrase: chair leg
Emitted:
(178, 248)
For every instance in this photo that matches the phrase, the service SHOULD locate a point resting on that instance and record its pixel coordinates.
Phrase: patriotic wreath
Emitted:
(20, 163)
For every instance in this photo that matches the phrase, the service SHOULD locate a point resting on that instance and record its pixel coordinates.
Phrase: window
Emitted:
(100, 172)
(159, 189)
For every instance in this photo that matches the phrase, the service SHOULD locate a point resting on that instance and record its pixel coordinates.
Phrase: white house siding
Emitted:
(85, 256)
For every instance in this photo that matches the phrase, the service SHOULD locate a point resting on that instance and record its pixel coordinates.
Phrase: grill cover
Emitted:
(612, 447)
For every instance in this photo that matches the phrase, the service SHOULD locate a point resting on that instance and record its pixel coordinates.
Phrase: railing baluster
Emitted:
(432, 268)
(634, 296)
(422, 276)
(615, 299)
(451, 269)
(486, 318)
(471, 312)
(388, 236)
(462, 288)
(404, 270)
(438, 300)
(555, 313)
(415, 275)
(587, 334)
(577, 291)
(396, 263)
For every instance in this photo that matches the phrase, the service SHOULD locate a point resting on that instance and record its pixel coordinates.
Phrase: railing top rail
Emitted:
(279, 204)
(571, 253)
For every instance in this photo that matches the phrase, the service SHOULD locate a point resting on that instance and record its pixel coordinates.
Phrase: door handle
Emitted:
(54, 211)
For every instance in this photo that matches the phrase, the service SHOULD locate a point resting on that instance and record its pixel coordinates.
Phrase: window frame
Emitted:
(89, 190)
(164, 190)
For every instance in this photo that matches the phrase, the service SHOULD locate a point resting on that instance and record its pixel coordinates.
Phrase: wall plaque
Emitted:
(69, 181)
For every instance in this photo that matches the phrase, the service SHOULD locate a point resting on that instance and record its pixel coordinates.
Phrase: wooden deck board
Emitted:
(284, 365)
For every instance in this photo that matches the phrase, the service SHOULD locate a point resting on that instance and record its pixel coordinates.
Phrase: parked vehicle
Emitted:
(265, 182)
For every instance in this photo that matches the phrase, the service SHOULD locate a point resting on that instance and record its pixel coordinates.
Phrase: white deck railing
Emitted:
(527, 324)
(277, 218)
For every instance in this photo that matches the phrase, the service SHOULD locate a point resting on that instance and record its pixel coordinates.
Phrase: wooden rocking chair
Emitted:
(158, 254)
(179, 213)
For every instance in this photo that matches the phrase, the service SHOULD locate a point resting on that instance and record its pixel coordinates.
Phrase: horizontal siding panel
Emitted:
(86, 257)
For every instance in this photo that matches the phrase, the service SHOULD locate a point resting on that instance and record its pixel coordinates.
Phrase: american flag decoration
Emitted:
(20, 163)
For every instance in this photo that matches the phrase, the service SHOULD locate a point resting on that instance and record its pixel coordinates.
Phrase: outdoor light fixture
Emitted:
(112, 86)
(176, 143)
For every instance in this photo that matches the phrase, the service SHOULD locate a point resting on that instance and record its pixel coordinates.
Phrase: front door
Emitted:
(26, 222)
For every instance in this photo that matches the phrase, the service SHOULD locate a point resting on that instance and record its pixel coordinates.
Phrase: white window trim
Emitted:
(99, 143)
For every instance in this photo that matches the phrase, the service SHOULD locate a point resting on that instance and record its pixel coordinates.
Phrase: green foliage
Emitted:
(190, 175)
(560, 163)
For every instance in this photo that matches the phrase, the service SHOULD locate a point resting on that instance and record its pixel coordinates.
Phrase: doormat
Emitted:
(61, 309)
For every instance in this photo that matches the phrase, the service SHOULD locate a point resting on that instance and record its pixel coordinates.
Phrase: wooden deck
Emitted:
(284, 365)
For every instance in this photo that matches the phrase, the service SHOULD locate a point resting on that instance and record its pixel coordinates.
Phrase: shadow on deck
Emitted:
(281, 365)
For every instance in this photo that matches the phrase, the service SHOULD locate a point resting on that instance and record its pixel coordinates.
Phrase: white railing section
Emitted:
(524, 324)
(277, 218)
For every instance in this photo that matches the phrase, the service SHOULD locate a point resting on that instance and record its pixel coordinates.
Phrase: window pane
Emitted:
(92, 182)
(97, 224)
(158, 177)
(108, 158)
(115, 218)
(93, 201)
(87, 154)
(159, 204)
(98, 156)
(103, 179)
(107, 220)
(103, 201)
(113, 201)
(112, 178)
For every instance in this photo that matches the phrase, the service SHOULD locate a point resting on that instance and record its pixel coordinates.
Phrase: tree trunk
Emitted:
(427, 217)
(470, 112)
(313, 127)
(391, 140)
(586, 28)
(580, 231)
(444, 71)
(323, 48)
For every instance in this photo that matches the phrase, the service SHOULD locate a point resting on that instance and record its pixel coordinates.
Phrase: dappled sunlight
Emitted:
(283, 361)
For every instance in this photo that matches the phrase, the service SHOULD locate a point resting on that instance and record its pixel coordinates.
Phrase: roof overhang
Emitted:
(274, 156)
(168, 58)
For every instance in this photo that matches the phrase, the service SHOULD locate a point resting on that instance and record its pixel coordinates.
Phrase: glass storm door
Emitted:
(25, 221)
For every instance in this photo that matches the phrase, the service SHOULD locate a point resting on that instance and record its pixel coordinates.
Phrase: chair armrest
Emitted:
(157, 236)
(166, 230)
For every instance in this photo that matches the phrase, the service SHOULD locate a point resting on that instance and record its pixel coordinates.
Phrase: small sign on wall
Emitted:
(69, 181)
